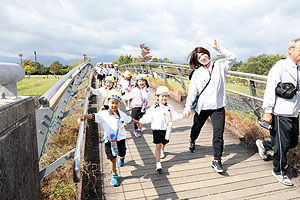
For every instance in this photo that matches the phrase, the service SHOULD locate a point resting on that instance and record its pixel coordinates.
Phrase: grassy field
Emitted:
(36, 85)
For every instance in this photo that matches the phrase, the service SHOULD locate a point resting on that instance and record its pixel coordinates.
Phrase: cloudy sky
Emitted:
(171, 28)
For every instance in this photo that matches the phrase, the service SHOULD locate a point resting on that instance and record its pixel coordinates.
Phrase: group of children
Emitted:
(160, 115)
(107, 69)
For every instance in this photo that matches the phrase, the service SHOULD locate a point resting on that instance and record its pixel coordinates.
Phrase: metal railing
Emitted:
(180, 74)
(52, 111)
(159, 70)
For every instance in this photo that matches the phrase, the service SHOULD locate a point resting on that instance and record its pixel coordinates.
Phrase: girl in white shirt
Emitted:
(104, 91)
(160, 116)
(113, 121)
(208, 80)
(139, 95)
(126, 86)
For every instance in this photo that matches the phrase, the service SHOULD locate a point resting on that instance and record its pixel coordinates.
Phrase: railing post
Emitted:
(135, 70)
(164, 74)
(130, 69)
(253, 93)
(181, 79)
(43, 122)
(142, 68)
(151, 72)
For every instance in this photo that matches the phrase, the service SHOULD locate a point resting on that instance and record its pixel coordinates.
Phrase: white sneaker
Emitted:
(261, 149)
(284, 179)
(162, 154)
(158, 166)
(127, 108)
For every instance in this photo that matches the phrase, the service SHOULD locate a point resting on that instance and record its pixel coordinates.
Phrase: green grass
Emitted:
(239, 88)
(36, 84)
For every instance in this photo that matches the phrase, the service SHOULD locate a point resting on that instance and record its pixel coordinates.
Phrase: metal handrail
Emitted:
(252, 78)
(45, 98)
(76, 163)
(52, 111)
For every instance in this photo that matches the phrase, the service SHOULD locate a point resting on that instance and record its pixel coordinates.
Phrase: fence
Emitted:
(255, 84)
(52, 111)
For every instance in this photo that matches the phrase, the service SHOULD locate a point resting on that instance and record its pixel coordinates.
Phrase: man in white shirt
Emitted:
(282, 112)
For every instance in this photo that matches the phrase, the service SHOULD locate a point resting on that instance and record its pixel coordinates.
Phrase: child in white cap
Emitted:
(160, 115)
(113, 121)
(103, 92)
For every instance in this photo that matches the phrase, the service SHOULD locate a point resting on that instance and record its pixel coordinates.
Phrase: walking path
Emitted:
(189, 175)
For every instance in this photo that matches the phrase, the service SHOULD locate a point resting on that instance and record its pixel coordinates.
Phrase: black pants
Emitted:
(284, 136)
(136, 114)
(218, 122)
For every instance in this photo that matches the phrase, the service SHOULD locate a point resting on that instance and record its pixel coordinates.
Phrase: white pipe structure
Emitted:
(10, 74)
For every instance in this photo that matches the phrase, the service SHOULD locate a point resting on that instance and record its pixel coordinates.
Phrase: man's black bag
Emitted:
(286, 90)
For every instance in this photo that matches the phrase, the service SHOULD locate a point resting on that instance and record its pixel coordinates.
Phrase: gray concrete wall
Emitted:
(19, 170)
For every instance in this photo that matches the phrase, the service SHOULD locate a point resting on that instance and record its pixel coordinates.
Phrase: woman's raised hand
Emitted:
(213, 43)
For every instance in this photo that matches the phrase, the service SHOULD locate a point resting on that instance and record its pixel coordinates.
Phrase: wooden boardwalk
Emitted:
(189, 175)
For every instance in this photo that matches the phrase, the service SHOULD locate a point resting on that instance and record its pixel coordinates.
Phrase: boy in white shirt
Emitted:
(160, 115)
(113, 121)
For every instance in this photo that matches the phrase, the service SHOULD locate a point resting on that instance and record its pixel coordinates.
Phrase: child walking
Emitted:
(139, 95)
(113, 121)
(104, 91)
(160, 115)
(126, 86)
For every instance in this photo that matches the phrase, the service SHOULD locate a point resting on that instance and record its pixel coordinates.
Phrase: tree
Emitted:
(125, 59)
(29, 69)
(144, 57)
(65, 69)
(161, 60)
(45, 71)
(236, 65)
(260, 64)
(55, 67)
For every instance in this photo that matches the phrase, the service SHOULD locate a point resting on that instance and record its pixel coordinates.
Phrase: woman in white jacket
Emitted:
(208, 81)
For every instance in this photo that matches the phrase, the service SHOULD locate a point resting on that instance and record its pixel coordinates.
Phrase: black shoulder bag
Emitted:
(198, 95)
(287, 90)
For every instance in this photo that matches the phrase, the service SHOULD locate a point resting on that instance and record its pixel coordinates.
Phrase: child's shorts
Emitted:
(159, 137)
(100, 77)
(121, 147)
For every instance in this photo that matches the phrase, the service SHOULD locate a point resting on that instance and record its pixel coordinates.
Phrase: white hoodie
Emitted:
(284, 71)
(214, 96)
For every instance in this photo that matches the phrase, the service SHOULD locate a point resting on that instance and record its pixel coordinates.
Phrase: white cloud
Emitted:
(69, 28)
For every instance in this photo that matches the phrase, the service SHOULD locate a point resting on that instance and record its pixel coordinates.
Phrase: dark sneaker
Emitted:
(192, 146)
(284, 179)
(114, 180)
(121, 161)
(217, 165)
(261, 149)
